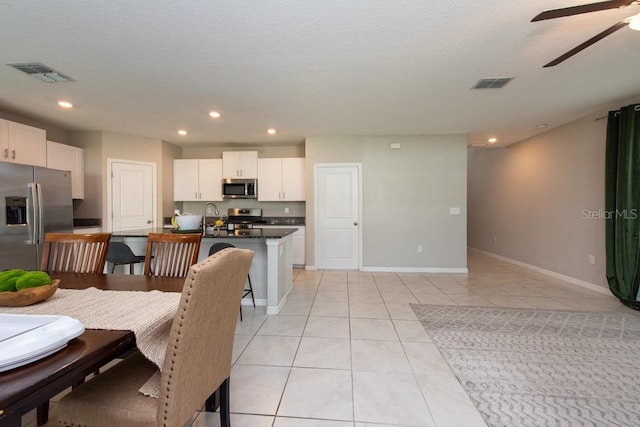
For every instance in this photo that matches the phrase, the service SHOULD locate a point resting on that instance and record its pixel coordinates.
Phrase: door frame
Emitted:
(316, 228)
(154, 195)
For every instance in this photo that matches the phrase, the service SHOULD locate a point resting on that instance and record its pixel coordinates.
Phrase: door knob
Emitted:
(355, 223)
(149, 221)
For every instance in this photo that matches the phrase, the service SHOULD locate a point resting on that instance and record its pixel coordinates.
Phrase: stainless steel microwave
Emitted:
(239, 188)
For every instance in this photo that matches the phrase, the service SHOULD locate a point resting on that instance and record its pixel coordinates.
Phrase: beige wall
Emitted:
(169, 152)
(407, 195)
(215, 151)
(54, 133)
(101, 146)
(527, 201)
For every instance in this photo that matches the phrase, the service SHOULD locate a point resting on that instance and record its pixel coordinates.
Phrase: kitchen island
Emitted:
(271, 268)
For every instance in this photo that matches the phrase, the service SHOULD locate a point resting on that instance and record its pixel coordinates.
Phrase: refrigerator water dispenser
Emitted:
(16, 209)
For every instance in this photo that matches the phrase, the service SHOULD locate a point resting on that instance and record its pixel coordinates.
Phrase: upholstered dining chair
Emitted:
(74, 253)
(196, 364)
(223, 245)
(171, 254)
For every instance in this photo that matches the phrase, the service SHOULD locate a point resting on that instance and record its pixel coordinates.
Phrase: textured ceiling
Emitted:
(312, 68)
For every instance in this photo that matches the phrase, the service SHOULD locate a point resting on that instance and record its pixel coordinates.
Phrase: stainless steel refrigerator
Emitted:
(34, 201)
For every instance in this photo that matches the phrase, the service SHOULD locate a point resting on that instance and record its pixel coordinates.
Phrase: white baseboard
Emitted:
(277, 309)
(415, 270)
(569, 279)
(403, 269)
(259, 302)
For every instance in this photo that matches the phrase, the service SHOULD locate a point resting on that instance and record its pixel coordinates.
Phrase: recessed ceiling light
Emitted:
(492, 140)
(271, 131)
(214, 114)
(65, 104)
(182, 132)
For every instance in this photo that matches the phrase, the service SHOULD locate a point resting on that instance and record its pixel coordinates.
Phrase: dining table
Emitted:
(30, 386)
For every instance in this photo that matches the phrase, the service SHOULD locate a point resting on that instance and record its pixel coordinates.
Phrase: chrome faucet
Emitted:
(204, 215)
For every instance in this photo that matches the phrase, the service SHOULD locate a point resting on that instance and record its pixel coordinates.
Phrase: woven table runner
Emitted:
(147, 314)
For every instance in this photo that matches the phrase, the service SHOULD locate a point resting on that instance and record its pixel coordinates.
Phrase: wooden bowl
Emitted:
(28, 296)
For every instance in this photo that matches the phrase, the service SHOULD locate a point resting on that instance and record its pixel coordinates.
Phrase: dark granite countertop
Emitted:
(249, 233)
(266, 220)
(283, 220)
(86, 222)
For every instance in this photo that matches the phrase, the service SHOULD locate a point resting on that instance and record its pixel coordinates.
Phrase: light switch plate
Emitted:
(454, 211)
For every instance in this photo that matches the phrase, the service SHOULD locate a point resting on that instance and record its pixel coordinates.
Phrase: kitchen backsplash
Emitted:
(269, 209)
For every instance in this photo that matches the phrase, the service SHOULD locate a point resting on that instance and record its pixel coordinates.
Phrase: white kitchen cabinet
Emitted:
(298, 243)
(23, 144)
(196, 180)
(68, 158)
(4, 140)
(240, 164)
(281, 179)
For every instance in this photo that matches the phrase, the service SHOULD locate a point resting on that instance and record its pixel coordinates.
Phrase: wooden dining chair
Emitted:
(196, 364)
(74, 253)
(171, 254)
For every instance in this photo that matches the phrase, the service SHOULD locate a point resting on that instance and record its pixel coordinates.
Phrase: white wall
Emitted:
(527, 202)
(407, 194)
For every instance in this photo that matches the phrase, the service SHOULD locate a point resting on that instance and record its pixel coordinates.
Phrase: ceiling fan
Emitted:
(632, 21)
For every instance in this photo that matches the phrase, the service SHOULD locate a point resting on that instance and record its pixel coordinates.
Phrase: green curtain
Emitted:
(622, 203)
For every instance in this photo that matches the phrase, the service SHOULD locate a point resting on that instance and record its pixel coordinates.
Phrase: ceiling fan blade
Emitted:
(589, 42)
(583, 8)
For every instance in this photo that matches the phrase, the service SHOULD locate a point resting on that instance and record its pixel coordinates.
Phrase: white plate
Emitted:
(33, 337)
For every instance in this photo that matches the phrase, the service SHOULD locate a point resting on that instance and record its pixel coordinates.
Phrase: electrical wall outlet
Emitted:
(592, 259)
(419, 249)
(286, 210)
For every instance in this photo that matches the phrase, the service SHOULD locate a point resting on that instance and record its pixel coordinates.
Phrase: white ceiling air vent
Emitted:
(40, 72)
(492, 83)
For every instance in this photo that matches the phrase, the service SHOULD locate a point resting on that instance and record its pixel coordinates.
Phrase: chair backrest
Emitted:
(75, 253)
(171, 254)
(199, 351)
(218, 247)
(120, 253)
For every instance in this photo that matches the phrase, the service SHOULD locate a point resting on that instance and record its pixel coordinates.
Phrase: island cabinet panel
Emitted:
(298, 242)
(240, 164)
(197, 180)
(281, 179)
(22, 144)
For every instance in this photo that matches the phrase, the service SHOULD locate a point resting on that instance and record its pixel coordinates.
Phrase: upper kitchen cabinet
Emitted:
(23, 144)
(281, 180)
(240, 164)
(196, 180)
(68, 158)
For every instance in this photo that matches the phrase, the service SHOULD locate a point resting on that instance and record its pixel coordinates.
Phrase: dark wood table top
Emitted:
(119, 282)
(26, 387)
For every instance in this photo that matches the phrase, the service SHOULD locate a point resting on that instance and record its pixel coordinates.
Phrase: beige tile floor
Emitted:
(347, 350)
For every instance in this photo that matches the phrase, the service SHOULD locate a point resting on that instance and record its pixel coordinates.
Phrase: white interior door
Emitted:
(133, 195)
(338, 216)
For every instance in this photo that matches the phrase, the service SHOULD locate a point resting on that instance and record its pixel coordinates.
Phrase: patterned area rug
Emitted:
(528, 367)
